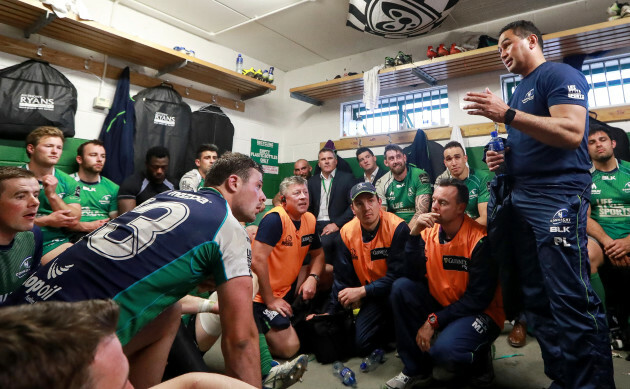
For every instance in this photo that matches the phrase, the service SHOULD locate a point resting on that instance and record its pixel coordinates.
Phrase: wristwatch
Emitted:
(509, 116)
(314, 276)
(433, 322)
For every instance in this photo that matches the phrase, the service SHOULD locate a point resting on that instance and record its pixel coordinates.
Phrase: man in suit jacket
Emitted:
(329, 200)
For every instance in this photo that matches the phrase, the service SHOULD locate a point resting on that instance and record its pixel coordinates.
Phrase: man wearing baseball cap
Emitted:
(369, 259)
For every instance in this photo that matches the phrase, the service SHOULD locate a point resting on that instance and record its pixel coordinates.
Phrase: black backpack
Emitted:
(34, 94)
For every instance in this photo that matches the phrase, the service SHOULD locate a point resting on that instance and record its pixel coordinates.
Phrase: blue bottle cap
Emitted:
(363, 366)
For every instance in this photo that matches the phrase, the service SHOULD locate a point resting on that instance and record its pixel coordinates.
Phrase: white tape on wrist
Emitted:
(206, 305)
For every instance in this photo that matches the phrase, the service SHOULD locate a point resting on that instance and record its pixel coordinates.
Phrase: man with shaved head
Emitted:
(302, 168)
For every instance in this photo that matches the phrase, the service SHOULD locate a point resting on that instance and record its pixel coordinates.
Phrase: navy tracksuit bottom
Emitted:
(459, 344)
(540, 239)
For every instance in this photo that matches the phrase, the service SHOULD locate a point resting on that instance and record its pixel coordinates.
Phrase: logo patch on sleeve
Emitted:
(424, 178)
(379, 253)
(453, 262)
(307, 239)
(575, 93)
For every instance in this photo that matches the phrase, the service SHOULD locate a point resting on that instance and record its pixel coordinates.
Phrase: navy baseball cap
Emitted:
(362, 187)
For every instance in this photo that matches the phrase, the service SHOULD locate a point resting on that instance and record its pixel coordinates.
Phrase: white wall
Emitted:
(310, 125)
(298, 127)
(262, 116)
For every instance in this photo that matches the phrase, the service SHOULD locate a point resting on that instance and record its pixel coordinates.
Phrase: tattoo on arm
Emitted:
(422, 203)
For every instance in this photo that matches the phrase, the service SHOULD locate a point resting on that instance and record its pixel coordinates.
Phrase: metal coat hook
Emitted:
(358, 141)
(87, 63)
(214, 99)
(40, 48)
(188, 90)
(390, 138)
(236, 104)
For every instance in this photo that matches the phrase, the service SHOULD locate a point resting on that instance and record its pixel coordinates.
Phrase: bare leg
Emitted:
(148, 350)
(54, 252)
(283, 343)
(595, 255)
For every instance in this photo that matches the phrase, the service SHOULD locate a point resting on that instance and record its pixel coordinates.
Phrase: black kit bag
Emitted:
(34, 94)
(162, 119)
(329, 337)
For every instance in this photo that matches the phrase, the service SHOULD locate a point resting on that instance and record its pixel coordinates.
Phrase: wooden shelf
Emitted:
(28, 15)
(584, 40)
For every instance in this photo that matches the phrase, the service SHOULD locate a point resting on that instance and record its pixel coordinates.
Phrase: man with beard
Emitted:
(147, 259)
(207, 155)
(406, 190)
(302, 168)
(608, 225)
(98, 194)
(140, 187)
(285, 235)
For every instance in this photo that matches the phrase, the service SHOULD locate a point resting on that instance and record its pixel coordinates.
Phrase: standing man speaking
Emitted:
(538, 208)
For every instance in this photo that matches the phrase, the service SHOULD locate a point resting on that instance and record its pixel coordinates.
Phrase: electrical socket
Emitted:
(102, 103)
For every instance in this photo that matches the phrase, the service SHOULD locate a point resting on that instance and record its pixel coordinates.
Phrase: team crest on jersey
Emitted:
(424, 178)
(105, 199)
(528, 96)
(25, 266)
(353, 254)
(561, 217)
(575, 93)
(626, 188)
(473, 194)
(410, 192)
(594, 189)
(288, 241)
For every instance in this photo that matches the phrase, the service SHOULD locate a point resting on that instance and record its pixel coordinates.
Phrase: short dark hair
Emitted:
(462, 189)
(362, 150)
(393, 147)
(11, 172)
(231, 163)
(452, 144)
(327, 150)
(157, 152)
(594, 129)
(95, 142)
(523, 29)
(52, 344)
(206, 147)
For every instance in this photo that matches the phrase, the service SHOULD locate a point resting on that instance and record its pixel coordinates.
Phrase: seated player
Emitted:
(59, 206)
(207, 154)
(98, 194)
(20, 239)
(147, 259)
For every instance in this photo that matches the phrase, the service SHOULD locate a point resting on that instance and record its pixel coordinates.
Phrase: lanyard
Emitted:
(327, 191)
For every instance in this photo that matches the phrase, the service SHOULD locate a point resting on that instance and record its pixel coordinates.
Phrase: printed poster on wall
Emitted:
(266, 154)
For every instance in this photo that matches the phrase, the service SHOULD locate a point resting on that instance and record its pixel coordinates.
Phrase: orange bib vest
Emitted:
(286, 258)
(447, 266)
(370, 259)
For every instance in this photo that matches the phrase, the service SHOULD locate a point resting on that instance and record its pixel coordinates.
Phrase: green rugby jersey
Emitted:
(98, 199)
(401, 195)
(610, 200)
(477, 183)
(66, 190)
(19, 260)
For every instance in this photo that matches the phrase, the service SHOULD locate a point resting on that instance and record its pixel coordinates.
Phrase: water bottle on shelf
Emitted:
(270, 79)
(345, 375)
(239, 64)
(496, 144)
(373, 360)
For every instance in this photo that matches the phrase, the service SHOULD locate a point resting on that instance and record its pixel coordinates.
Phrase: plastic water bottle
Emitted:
(345, 375)
(496, 144)
(270, 79)
(373, 360)
(239, 64)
